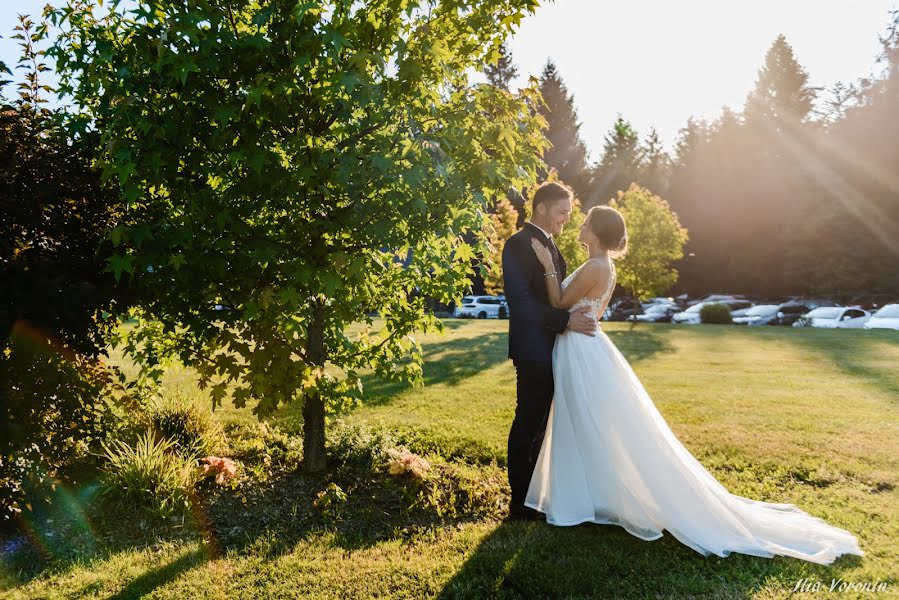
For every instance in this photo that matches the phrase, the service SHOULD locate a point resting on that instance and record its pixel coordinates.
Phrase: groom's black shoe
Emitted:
(521, 512)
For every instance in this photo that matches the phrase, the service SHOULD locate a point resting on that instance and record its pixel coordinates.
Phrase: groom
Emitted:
(533, 325)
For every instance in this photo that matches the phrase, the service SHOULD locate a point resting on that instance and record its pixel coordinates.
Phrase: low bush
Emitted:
(264, 449)
(192, 430)
(360, 446)
(55, 411)
(150, 475)
(471, 484)
(715, 313)
(367, 446)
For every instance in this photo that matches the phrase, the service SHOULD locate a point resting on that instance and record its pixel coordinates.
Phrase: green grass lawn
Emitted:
(809, 417)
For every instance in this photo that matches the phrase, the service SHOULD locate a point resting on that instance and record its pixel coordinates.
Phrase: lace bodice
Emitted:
(595, 304)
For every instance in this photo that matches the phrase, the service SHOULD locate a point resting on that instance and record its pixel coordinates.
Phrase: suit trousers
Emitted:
(534, 397)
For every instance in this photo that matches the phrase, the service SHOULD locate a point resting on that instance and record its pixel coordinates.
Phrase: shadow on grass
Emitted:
(536, 560)
(448, 362)
(272, 520)
(78, 527)
(851, 351)
(638, 344)
(154, 578)
(452, 361)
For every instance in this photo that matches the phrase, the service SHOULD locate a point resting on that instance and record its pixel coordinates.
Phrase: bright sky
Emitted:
(656, 62)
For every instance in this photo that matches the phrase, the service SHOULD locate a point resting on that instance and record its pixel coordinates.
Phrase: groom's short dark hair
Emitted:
(550, 192)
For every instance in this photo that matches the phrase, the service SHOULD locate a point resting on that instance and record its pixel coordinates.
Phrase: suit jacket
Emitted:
(533, 321)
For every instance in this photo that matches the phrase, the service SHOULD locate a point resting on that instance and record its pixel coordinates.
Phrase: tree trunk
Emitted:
(314, 458)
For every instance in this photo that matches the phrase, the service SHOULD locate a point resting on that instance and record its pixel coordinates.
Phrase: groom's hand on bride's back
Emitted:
(581, 322)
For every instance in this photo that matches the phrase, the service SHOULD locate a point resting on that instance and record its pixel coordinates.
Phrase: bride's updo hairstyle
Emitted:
(607, 224)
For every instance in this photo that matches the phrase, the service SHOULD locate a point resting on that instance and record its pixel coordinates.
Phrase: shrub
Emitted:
(56, 293)
(330, 502)
(150, 476)
(367, 446)
(361, 446)
(55, 410)
(472, 486)
(715, 313)
(266, 447)
(192, 430)
(447, 446)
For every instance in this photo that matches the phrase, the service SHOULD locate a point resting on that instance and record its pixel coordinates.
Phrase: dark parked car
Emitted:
(789, 313)
(657, 313)
(622, 309)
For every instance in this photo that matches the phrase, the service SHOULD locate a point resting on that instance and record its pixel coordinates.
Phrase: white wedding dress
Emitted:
(609, 457)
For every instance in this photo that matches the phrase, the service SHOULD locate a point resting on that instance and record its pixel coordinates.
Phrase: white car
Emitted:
(885, 318)
(835, 317)
(482, 307)
(738, 308)
(691, 316)
(760, 314)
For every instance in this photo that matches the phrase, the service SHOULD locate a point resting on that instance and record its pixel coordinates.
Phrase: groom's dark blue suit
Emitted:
(533, 325)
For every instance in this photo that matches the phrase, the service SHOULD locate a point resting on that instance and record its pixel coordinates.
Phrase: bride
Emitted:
(609, 457)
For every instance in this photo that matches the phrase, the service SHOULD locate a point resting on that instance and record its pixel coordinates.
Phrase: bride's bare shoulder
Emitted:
(596, 267)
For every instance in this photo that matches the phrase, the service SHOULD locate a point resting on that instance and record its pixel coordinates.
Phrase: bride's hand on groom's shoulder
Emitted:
(581, 322)
(543, 255)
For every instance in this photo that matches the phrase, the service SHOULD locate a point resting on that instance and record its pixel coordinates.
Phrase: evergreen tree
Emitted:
(568, 155)
(655, 169)
(619, 165)
(841, 98)
(781, 91)
(503, 71)
(771, 188)
(692, 136)
(847, 243)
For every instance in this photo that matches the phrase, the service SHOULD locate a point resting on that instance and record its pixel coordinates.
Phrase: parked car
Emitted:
(819, 302)
(738, 308)
(657, 301)
(885, 318)
(622, 309)
(760, 314)
(872, 302)
(834, 317)
(790, 312)
(691, 315)
(713, 298)
(482, 307)
(657, 313)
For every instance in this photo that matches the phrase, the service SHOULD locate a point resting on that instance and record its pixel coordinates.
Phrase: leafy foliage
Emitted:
(53, 415)
(503, 223)
(191, 430)
(54, 406)
(302, 165)
(655, 240)
(573, 251)
(780, 203)
(54, 212)
(501, 72)
(150, 476)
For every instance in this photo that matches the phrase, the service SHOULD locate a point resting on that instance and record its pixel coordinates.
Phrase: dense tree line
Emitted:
(796, 193)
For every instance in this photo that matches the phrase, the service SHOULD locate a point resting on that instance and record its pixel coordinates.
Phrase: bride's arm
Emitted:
(582, 283)
(553, 285)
